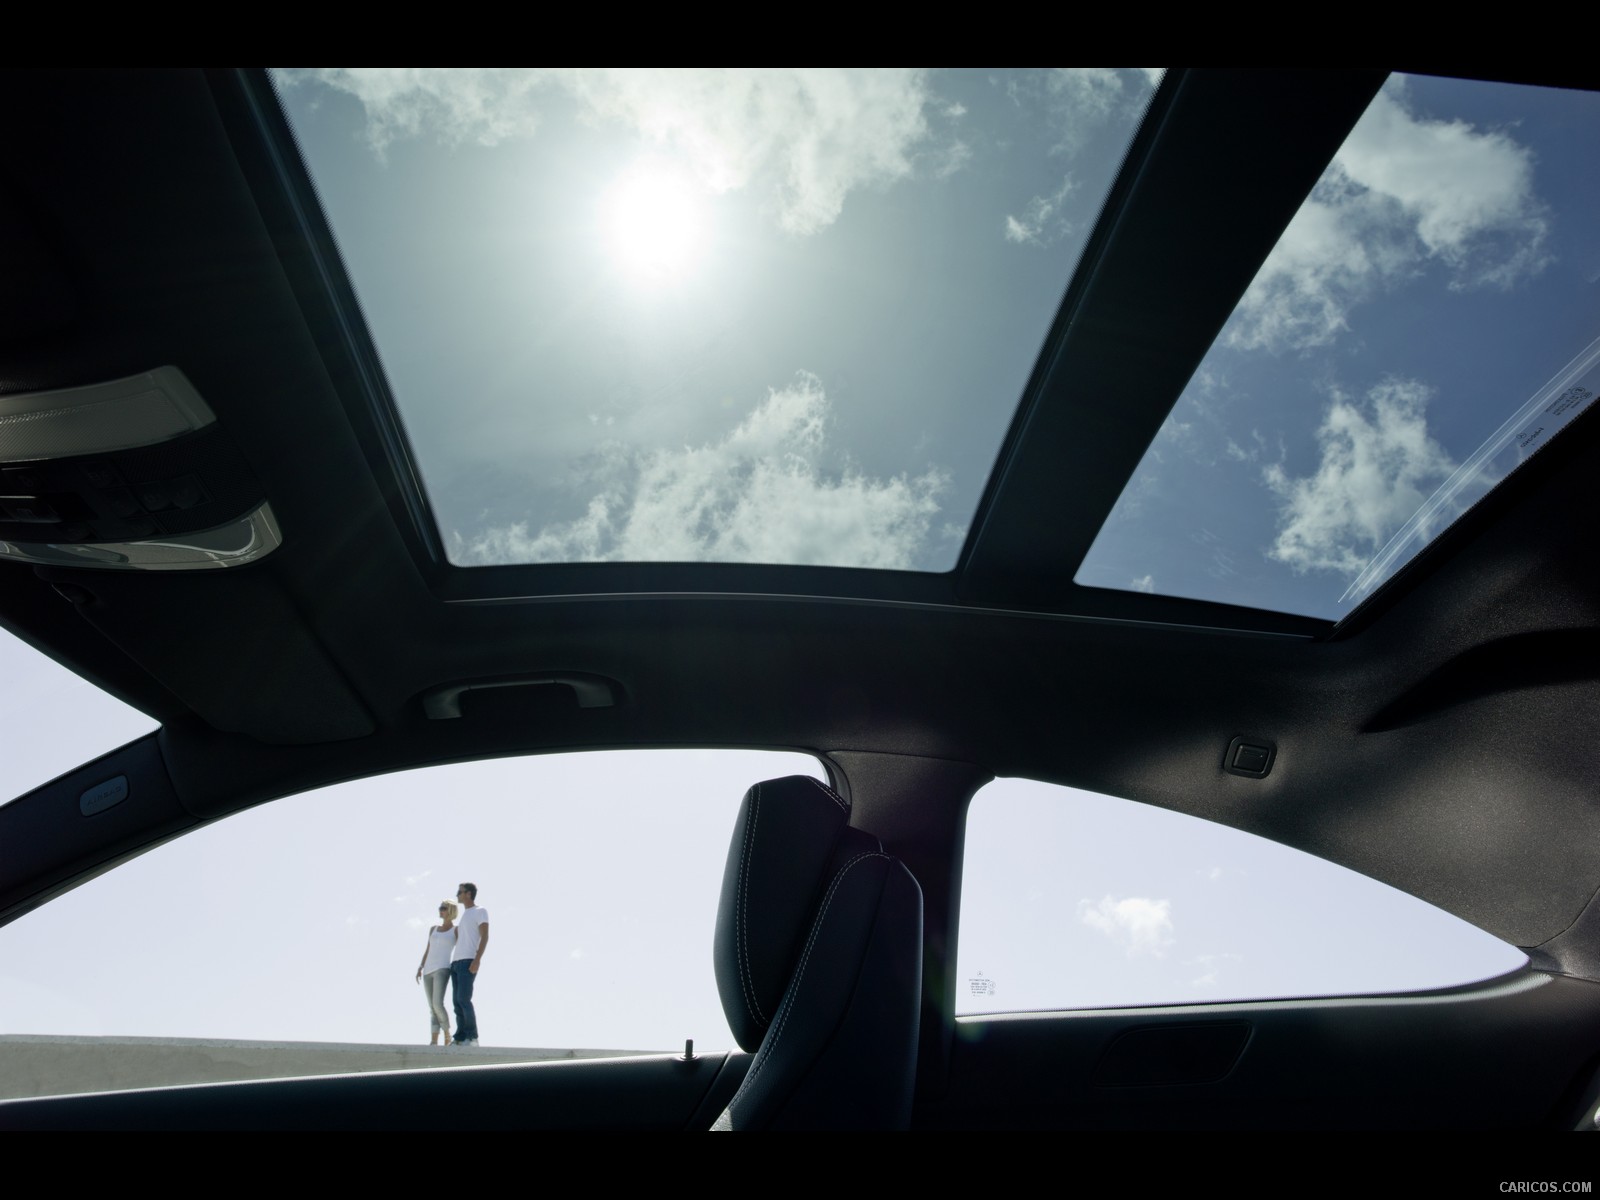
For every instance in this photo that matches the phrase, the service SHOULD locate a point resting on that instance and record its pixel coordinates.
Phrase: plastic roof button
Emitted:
(1250, 757)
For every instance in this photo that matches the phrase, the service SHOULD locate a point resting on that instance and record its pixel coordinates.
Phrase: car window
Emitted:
(306, 919)
(1423, 327)
(712, 398)
(54, 720)
(1072, 899)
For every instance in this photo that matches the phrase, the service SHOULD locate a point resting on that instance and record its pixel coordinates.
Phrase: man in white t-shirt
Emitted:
(472, 939)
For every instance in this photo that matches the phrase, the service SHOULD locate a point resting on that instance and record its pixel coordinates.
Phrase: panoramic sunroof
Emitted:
(1426, 323)
(782, 317)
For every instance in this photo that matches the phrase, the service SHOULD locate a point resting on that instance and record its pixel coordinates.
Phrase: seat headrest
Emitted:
(791, 835)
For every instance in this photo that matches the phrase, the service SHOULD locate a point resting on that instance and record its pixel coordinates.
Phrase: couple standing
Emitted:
(453, 955)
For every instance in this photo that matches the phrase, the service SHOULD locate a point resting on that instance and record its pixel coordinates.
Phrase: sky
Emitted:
(305, 919)
(788, 316)
(1428, 321)
(1072, 899)
(769, 317)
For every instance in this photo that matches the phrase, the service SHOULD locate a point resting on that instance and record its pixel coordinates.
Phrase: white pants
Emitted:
(433, 985)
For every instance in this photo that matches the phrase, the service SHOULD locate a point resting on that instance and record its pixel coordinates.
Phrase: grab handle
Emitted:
(593, 691)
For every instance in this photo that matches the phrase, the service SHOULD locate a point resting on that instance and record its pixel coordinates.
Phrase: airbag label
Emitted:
(103, 796)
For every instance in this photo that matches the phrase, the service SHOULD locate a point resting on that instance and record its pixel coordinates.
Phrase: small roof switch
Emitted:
(1251, 757)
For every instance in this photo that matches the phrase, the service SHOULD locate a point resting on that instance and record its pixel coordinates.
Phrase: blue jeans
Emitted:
(461, 980)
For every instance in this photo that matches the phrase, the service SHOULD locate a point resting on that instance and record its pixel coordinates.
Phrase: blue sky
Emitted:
(788, 316)
(1444, 270)
(1076, 900)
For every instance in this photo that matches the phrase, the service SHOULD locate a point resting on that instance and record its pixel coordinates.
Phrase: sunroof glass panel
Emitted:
(780, 317)
(1428, 321)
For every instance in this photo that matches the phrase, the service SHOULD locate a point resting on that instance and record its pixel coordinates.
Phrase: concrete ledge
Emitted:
(43, 1065)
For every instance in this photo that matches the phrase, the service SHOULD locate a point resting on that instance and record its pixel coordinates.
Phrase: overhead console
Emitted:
(134, 474)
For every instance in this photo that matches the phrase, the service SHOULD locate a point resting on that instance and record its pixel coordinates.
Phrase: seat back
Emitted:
(819, 964)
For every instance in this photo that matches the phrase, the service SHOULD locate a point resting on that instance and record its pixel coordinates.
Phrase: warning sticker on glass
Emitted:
(1555, 415)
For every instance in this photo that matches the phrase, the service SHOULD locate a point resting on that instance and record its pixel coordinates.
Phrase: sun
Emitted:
(654, 222)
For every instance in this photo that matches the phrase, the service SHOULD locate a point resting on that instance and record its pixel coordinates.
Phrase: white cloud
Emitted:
(1085, 92)
(1182, 435)
(1379, 463)
(1082, 99)
(801, 139)
(1077, 101)
(1208, 381)
(948, 159)
(1043, 220)
(485, 105)
(1403, 194)
(1222, 564)
(763, 493)
(1145, 584)
(1249, 453)
(812, 135)
(1145, 485)
(1455, 183)
(1212, 968)
(1141, 925)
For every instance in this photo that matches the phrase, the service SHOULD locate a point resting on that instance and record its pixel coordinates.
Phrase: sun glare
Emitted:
(654, 222)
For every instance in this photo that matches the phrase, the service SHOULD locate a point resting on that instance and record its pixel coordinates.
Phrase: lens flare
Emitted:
(655, 223)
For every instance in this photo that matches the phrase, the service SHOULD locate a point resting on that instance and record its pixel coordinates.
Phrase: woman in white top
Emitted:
(433, 972)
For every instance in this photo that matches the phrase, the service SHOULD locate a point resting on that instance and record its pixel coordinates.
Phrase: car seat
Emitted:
(819, 964)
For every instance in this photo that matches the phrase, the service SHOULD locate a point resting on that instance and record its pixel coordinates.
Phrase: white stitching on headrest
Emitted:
(766, 1050)
(742, 926)
(741, 950)
(837, 799)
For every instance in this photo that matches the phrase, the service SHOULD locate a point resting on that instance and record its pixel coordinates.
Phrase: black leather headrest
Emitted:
(791, 835)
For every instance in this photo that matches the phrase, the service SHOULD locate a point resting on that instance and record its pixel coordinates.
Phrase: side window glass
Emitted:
(306, 919)
(1076, 900)
(54, 721)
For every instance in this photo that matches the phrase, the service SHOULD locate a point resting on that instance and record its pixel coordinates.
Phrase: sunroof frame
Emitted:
(1153, 287)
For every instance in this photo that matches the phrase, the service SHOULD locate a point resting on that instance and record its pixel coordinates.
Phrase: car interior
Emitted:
(180, 328)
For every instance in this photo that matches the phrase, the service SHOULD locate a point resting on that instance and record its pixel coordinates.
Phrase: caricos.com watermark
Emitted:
(1523, 1186)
